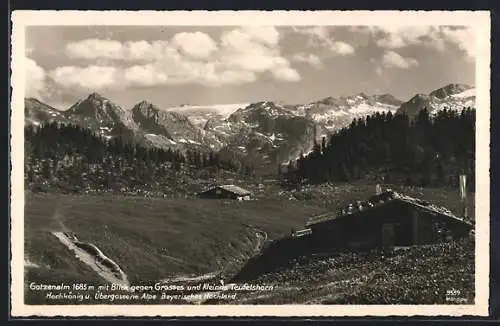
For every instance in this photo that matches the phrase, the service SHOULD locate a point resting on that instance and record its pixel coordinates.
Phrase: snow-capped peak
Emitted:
(465, 94)
(222, 109)
(335, 113)
(452, 96)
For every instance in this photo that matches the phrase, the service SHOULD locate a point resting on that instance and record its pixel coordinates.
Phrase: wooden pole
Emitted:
(463, 194)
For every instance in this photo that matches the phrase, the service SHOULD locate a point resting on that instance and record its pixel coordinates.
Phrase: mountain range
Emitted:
(269, 131)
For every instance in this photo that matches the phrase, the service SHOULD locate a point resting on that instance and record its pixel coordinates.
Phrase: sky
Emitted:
(206, 65)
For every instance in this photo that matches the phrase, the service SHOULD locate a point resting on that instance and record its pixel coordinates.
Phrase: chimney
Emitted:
(463, 194)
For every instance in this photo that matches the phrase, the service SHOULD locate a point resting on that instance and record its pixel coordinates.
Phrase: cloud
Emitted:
(90, 77)
(391, 41)
(92, 49)
(391, 59)
(152, 74)
(188, 58)
(255, 50)
(341, 48)
(395, 37)
(40, 86)
(309, 58)
(267, 35)
(144, 75)
(436, 37)
(319, 37)
(461, 37)
(197, 45)
(256, 63)
(252, 48)
(35, 79)
(398, 36)
(286, 74)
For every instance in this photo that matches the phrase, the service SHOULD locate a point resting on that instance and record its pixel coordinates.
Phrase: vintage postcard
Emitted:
(280, 163)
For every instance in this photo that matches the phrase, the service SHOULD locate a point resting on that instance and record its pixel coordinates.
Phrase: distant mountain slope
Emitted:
(335, 113)
(267, 132)
(36, 112)
(103, 116)
(449, 90)
(175, 127)
(453, 96)
(199, 115)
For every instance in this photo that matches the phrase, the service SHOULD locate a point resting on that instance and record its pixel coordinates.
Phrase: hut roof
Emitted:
(383, 199)
(234, 189)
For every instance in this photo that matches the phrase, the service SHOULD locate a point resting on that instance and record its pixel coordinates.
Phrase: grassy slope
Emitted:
(419, 275)
(159, 238)
(154, 238)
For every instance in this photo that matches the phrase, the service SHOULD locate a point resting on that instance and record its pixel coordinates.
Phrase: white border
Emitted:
(479, 20)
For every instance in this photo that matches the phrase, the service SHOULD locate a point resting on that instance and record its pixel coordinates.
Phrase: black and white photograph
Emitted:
(336, 161)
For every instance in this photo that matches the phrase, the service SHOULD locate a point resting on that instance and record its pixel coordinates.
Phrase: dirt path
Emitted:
(29, 264)
(93, 257)
(110, 271)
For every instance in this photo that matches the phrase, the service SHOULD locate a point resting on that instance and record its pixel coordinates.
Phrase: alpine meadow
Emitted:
(250, 165)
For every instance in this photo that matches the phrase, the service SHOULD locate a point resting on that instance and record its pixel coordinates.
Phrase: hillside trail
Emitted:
(88, 253)
(30, 264)
(110, 271)
(94, 258)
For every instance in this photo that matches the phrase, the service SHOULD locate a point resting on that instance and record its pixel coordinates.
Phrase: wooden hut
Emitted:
(387, 220)
(226, 192)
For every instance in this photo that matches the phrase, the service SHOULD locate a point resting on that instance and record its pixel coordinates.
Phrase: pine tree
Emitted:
(392, 144)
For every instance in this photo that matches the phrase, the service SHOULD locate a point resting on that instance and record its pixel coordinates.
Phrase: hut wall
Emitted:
(366, 228)
(425, 229)
(429, 224)
(394, 224)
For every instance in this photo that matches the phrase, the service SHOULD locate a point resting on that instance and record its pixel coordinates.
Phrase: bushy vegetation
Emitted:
(417, 275)
(424, 151)
(73, 159)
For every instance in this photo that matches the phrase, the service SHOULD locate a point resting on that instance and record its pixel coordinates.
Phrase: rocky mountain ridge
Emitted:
(269, 131)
